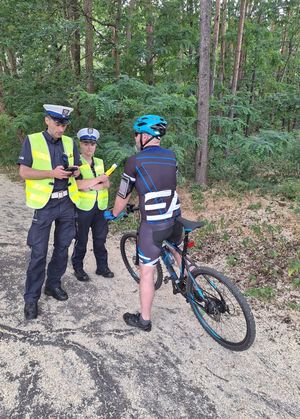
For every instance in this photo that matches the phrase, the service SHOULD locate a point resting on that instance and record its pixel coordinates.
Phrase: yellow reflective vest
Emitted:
(38, 191)
(87, 199)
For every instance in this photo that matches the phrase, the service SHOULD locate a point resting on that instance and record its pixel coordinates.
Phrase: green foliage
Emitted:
(294, 267)
(257, 148)
(232, 260)
(254, 206)
(268, 161)
(264, 293)
(294, 306)
(9, 145)
(265, 144)
(197, 196)
(116, 106)
(289, 189)
(296, 282)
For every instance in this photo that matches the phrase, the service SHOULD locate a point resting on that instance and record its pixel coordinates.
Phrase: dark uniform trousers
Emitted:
(62, 212)
(93, 219)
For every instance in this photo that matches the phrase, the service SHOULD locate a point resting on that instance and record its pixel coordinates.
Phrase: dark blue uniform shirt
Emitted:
(56, 150)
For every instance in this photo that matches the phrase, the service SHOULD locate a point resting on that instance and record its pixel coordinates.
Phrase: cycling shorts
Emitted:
(151, 237)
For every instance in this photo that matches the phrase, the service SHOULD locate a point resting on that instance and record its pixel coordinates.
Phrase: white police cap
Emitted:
(58, 113)
(88, 134)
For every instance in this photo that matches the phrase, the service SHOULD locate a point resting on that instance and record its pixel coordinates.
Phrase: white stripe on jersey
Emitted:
(169, 214)
(151, 207)
(158, 194)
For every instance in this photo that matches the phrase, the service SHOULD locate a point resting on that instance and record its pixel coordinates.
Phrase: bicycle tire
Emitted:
(128, 252)
(214, 321)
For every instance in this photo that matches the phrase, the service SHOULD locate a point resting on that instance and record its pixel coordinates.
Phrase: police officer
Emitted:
(93, 199)
(48, 163)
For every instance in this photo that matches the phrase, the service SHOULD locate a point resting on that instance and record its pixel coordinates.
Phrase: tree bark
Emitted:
(223, 43)
(149, 70)
(149, 59)
(203, 93)
(215, 47)
(129, 23)
(73, 14)
(116, 48)
(12, 61)
(89, 45)
(238, 50)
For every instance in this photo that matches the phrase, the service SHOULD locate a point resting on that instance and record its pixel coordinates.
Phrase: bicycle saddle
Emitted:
(190, 225)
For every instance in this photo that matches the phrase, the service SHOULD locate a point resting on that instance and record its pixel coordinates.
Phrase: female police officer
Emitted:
(93, 200)
(51, 190)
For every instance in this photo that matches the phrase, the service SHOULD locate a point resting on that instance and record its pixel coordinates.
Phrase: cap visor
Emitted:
(63, 121)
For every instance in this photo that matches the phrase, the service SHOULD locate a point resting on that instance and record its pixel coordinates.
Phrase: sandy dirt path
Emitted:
(79, 360)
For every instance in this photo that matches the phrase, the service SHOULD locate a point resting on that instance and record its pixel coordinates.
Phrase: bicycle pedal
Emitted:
(166, 279)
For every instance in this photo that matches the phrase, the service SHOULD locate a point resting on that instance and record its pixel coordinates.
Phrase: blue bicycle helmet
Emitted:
(153, 125)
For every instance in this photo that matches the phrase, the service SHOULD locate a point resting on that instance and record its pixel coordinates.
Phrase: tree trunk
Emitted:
(131, 7)
(149, 59)
(89, 45)
(203, 93)
(116, 48)
(238, 50)
(3, 58)
(12, 61)
(149, 70)
(253, 81)
(73, 14)
(223, 43)
(190, 13)
(215, 47)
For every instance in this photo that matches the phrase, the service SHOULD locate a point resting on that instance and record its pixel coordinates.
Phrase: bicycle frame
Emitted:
(186, 262)
(184, 266)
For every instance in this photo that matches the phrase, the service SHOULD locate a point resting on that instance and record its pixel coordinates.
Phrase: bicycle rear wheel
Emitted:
(128, 252)
(221, 309)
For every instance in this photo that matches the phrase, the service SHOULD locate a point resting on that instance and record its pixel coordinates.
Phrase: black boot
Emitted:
(106, 272)
(81, 275)
(31, 310)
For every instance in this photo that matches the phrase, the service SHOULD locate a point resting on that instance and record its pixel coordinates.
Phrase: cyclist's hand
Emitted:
(109, 216)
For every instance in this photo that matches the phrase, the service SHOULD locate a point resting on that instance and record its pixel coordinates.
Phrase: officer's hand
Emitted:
(97, 187)
(102, 178)
(102, 185)
(109, 216)
(60, 173)
(76, 173)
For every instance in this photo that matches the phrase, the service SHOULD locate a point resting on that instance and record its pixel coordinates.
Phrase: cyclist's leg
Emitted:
(146, 290)
(149, 253)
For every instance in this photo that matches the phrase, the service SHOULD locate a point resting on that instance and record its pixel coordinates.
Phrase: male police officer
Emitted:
(48, 163)
(93, 200)
(152, 172)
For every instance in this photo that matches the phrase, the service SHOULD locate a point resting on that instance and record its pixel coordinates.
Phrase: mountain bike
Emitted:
(216, 301)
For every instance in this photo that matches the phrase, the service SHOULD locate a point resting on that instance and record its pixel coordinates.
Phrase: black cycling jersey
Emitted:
(153, 173)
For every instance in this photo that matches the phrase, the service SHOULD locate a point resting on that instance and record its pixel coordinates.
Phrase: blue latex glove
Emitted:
(109, 216)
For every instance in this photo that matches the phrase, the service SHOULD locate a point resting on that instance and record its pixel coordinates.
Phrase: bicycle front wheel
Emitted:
(129, 256)
(221, 309)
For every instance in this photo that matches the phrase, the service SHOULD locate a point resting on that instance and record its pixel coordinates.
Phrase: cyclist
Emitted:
(152, 171)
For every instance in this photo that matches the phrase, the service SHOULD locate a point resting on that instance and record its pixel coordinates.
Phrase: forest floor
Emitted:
(79, 359)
